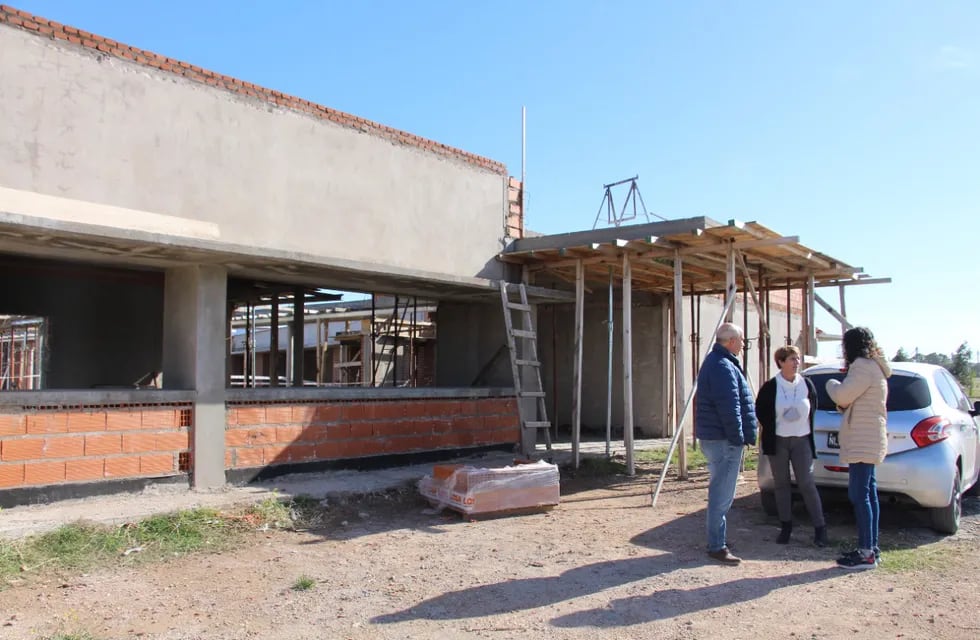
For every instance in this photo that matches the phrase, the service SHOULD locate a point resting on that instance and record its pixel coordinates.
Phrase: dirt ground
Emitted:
(603, 564)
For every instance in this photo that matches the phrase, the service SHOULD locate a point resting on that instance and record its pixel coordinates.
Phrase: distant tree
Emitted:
(937, 358)
(961, 367)
(901, 355)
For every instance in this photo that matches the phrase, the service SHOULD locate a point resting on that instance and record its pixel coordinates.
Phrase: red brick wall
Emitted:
(515, 208)
(53, 447)
(104, 46)
(270, 434)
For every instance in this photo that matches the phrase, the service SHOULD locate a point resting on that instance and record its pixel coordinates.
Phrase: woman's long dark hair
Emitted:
(859, 342)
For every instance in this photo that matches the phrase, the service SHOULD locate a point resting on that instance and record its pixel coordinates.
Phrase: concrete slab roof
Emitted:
(702, 244)
(48, 227)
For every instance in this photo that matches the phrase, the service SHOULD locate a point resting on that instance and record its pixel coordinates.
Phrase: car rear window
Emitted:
(905, 393)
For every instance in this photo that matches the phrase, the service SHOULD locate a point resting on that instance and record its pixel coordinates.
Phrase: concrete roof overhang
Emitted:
(701, 243)
(49, 227)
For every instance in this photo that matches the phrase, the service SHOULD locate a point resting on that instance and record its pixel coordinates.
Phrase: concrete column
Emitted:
(194, 329)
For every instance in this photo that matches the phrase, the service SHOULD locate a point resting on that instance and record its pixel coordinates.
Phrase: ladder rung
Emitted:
(527, 363)
(531, 394)
(538, 424)
(518, 306)
(523, 333)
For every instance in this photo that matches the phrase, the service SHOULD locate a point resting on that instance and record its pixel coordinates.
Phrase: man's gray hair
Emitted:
(727, 332)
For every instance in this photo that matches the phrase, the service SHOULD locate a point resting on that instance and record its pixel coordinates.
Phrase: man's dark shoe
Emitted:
(724, 556)
(785, 531)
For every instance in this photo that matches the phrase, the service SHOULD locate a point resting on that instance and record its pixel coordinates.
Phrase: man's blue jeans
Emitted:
(862, 489)
(724, 460)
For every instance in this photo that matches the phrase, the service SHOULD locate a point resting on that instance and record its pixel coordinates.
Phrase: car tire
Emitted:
(947, 519)
(768, 499)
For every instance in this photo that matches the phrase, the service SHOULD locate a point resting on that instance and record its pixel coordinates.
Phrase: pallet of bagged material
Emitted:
(480, 491)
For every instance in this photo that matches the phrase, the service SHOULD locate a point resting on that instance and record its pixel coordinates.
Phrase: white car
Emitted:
(933, 444)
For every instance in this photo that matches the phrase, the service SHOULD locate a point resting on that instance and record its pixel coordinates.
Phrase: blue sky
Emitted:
(852, 125)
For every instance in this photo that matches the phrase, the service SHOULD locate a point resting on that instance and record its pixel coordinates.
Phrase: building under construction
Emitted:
(171, 312)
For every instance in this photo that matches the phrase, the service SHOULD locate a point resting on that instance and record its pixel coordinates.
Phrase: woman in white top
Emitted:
(785, 409)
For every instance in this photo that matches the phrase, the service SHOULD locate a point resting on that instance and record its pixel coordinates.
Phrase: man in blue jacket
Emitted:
(724, 423)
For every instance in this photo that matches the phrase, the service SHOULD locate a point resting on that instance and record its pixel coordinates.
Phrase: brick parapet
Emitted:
(16, 18)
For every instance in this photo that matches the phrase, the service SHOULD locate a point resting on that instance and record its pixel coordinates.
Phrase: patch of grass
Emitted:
(304, 583)
(924, 558)
(695, 457)
(80, 546)
(78, 635)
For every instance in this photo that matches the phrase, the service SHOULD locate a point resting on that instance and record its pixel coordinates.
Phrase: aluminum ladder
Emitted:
(525, 360)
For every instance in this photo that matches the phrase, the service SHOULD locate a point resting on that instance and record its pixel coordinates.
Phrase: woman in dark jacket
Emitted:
(785, 409)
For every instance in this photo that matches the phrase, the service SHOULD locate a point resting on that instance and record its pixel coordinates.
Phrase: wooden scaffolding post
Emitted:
(628, 362)
(679, 362)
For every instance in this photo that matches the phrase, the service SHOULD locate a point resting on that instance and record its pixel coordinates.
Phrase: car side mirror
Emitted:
(976, 409)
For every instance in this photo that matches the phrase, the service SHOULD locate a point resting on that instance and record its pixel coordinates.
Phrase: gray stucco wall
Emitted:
(469, 335)
(557, 330)
(80, 125)
(105, 327)
(650, 413)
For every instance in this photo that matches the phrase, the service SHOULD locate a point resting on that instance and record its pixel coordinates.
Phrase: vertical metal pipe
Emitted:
(255, 346)
(523, 163)
(274, 341)
(413, 370)
(609, 367)
(373, 334)
(246, 353)
(42, 332)
(789, 314)
(299, 336)
(577, 366)
(394, 348)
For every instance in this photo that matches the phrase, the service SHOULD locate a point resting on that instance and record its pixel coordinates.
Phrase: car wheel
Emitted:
(947, 519)
(769, 502)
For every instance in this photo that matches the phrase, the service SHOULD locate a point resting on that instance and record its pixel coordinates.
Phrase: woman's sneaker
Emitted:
(857, 560)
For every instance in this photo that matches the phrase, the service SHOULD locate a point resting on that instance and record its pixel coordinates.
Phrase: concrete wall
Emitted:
(82, 124)
(652, 344)
(105, 326)
(469, 335)
(557, 330)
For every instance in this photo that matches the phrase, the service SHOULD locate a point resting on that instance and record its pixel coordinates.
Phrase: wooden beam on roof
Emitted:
(796, 250)
(738, 244)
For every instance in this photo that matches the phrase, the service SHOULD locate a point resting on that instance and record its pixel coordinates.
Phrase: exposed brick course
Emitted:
(364, 428)
(45, 447)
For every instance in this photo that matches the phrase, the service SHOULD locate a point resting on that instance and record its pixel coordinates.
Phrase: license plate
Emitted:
(832, 442)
